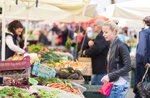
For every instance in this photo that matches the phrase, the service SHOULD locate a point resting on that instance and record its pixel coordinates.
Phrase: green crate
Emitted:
(92, 92)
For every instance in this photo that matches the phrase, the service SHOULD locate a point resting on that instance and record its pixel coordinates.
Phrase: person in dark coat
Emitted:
(43, 39)
(142, 52)
(98, 52)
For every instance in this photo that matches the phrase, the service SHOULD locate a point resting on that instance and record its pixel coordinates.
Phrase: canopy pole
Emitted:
(26, 27)
(86, 2)
(3, 31)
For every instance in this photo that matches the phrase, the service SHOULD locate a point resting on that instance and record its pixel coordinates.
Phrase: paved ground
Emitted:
(130, 93)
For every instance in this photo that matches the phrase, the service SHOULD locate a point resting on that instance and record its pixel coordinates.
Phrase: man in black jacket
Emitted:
(98, 52)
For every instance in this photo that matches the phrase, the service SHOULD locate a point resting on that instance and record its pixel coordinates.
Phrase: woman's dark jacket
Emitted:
(119, 61)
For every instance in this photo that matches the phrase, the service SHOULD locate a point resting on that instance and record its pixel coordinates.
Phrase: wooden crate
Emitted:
(87, 70)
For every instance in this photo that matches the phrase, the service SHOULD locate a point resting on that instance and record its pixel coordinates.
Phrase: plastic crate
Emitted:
(81, 81)
(15, 64)
(20, 74)
(43, 70)
(92, 92)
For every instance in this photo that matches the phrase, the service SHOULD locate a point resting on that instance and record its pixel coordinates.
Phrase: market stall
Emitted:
(58, 9)
(50, 72)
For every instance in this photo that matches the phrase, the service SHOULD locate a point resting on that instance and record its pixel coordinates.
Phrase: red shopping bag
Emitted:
(106, 88)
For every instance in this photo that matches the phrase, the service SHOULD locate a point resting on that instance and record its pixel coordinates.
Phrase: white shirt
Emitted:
(120, 81)
(12, 46)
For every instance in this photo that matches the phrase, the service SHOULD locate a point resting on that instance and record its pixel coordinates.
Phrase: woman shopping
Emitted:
(118, 62)
(15, 29)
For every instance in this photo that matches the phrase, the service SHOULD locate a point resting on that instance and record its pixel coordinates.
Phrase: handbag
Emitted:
(87, 71)
(143, 87)
(106, 88)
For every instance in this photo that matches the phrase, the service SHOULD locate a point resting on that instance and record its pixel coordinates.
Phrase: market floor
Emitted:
(130, 93)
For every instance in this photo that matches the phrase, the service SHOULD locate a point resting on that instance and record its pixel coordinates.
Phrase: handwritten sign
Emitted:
(43, 70)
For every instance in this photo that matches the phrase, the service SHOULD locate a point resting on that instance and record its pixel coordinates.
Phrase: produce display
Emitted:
(45, 81)
(75, 64)
(58, 86)
(16, 57)
(68, 44)
(60, 50)
(66, 55)
(13, 92)
(69, 73)
(23, 83)
(11, 72)
(58, 83)
(64, 87)
(50, 56)
(20, 57)
(19, 93)
(36, 48)
(64, 64)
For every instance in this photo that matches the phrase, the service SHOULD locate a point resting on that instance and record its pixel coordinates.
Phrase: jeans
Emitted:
(119, 91)
(97, 79)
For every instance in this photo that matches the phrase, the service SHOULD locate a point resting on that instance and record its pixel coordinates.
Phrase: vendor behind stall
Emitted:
(15, 29)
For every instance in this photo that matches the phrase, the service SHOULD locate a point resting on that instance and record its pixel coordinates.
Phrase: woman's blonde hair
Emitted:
(112, 25)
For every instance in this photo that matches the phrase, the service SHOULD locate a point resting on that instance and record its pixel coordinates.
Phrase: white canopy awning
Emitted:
(135, 9)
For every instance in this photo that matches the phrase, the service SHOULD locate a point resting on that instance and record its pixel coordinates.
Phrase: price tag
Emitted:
(33, 81)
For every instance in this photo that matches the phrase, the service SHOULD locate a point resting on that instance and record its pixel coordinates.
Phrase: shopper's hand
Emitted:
(105, 79)
(90, 43)
(84, 52)
(147, 65)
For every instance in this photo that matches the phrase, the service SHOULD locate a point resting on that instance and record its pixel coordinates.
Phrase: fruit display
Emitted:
(69, 73)
(75, 64)
(16, 57)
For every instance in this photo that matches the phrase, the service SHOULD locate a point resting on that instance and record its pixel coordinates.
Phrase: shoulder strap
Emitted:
(80, 52)
(145, 73)
(82, 43)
